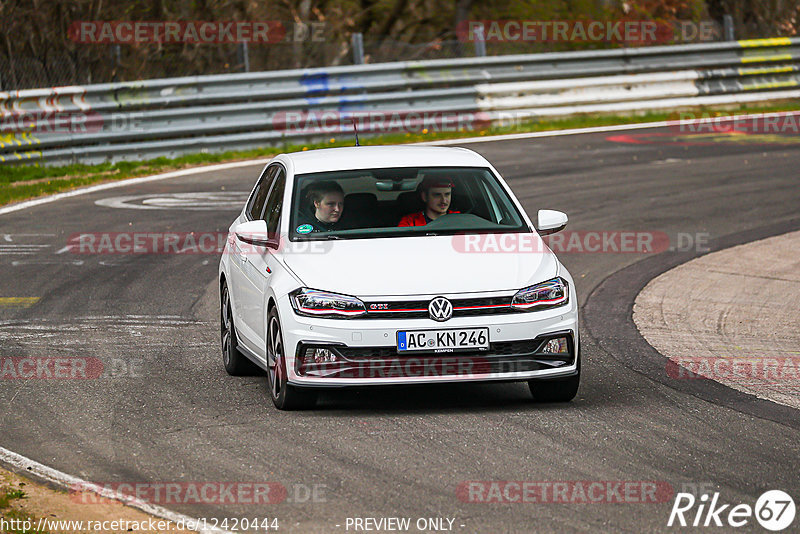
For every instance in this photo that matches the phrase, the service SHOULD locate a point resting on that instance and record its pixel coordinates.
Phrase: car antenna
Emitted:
(356, 131)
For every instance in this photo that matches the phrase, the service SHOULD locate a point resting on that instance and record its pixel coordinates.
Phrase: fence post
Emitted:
(116, 58)
(244, 56)
(358, 48)
(727, 26)
(479, 40)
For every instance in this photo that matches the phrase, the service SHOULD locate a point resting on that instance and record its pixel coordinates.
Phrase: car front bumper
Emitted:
(367, 355)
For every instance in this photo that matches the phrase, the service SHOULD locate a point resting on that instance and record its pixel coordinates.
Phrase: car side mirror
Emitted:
(255, 233)
(551, 221)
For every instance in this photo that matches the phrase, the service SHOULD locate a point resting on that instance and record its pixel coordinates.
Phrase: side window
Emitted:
(256, 204)
(272, 212)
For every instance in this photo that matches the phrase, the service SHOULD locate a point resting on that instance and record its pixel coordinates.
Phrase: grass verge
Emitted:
(13, 520)
(19, 183)
(26, 506)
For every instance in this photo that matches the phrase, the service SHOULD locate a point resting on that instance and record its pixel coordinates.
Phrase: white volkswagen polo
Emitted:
(394, 265)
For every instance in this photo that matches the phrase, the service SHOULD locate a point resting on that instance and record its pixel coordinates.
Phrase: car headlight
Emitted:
(550, 294)
(315, 303)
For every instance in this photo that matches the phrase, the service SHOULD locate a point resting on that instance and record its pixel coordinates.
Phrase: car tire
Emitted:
(557, 389)
(236, 363)
(284, 395)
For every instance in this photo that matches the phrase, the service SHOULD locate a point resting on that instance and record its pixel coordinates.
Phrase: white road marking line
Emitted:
(21, 250)
(74, 242)
(46, 262)
(25, 465)
(200, 200)
(7, 237)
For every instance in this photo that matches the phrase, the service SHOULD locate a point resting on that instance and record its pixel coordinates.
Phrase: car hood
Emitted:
(422, 265)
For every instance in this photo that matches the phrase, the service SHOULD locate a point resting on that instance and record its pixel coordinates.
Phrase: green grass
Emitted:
(30, 181)
(7, 496)
(10, 495)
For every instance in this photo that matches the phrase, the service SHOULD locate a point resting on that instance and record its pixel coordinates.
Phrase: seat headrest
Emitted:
(409, 202)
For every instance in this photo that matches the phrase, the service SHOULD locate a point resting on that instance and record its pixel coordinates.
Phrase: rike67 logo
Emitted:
(774, 510)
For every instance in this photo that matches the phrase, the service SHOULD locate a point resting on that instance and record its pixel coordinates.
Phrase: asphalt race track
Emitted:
(164, 410)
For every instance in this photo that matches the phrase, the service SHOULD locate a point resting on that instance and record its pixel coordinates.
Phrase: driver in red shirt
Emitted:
(436, 193)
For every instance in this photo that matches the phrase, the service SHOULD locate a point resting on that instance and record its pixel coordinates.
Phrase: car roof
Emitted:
(374, 157)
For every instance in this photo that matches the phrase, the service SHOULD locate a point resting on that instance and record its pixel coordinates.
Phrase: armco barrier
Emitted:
(170, 117)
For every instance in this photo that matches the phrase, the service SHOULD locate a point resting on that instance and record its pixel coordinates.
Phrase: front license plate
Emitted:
(443, 340)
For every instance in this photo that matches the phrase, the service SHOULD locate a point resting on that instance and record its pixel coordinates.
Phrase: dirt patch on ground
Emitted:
(27, 506)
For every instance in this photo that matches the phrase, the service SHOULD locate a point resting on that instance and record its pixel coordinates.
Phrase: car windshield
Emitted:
(364, 203)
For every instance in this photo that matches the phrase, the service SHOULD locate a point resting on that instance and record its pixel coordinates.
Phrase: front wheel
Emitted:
(284, 395)
(557, 389)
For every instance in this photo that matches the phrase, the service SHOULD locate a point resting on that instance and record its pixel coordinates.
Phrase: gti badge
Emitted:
(440, 309)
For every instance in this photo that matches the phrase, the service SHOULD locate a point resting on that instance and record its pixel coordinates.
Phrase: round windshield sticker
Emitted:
(304, 229)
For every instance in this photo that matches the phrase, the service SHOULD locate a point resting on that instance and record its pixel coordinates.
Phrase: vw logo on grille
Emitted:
(440, 309)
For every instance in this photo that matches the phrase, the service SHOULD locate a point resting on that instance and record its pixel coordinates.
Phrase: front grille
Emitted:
(418, 309)
(504, 348)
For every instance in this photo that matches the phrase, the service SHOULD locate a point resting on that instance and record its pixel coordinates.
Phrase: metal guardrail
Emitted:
(170, 117)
